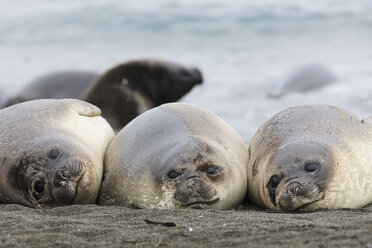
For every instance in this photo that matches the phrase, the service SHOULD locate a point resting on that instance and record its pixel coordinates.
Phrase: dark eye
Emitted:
(311, 167)
(39, 188)
(212, 170)
(274, 182)
(54, 153)
(173, 174)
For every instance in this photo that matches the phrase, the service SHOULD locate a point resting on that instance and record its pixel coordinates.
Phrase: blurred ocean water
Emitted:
(244, 48)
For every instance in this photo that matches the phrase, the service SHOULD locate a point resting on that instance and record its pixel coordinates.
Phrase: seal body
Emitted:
(304, 79)
(52, 152)
(175, 156)
(129, 89)
(311, 157)
(55, 85)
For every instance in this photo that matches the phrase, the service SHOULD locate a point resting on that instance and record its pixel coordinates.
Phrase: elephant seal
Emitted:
(304, 79)
(55, 85)
(51, 152)
(176, 155)
(131, 88)
(311, 157)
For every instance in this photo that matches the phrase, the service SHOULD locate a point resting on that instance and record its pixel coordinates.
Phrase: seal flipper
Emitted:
(84, 108)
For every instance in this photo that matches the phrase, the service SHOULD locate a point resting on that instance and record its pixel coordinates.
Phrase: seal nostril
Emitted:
(64, 175)
(191, 190)
(294, 189)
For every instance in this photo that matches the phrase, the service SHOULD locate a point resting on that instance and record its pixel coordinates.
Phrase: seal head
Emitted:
(176, 156)
(311, 157)
(297, 175)
(47, 157)
(129, 89)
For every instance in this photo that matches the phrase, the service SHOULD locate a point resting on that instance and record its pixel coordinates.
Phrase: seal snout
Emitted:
(297, 195)
(66, 180)
(194, 190)
(198, 77)
(73, 171)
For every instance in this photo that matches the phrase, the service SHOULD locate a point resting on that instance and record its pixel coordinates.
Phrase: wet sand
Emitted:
(111, 226)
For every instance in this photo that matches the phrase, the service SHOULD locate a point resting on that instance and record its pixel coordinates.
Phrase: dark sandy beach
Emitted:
(97, 226)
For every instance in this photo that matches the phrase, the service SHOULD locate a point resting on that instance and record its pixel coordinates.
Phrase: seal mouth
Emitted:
(199, 204)
(303, 207)
(77, 187)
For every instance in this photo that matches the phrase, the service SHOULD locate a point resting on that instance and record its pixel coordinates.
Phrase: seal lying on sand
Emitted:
(55, 85)
(129, 89)
(311, 157)
(51, 152)
(306, 78)
(175, 156)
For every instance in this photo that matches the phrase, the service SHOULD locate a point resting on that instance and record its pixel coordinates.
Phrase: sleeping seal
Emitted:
(311, 157)
(129, 89)
(55, 85)
(51, 152)
(175, 156)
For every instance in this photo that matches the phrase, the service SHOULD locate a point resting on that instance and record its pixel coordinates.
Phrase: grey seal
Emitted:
(129, 89)
(51, 152)
(306, 78)
(176, 155)
(55, 85)
(311, 157)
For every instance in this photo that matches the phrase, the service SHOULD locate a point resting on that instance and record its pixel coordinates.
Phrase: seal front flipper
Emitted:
(84, 108)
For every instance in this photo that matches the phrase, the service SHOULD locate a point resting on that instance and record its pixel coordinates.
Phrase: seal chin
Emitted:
(311, 205)
(200, 204)
(288, 202)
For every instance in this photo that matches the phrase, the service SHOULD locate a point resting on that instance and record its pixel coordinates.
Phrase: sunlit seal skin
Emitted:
(173, 156)
(306, 78)
(51, 152)
(131, 88)
(311, 157)
(55, 85)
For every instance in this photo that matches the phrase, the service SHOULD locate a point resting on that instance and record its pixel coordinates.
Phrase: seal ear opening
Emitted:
(85, 109)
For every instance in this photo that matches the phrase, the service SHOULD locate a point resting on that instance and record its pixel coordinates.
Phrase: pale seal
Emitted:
(311, 157)
(51, 152)
(304, 79)
(55, 85)
(176, 155)
(129, 89)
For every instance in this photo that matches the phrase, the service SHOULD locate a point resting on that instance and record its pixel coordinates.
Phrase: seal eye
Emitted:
(39, 188)
(311, 167)
(174, 174)
(274, 182)
(54, 153)
(212, 170)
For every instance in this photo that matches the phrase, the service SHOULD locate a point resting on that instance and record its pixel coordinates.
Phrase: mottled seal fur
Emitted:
(176, 156)
(131, 88)
(55, 85)
(311, 157)
(51, 152)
